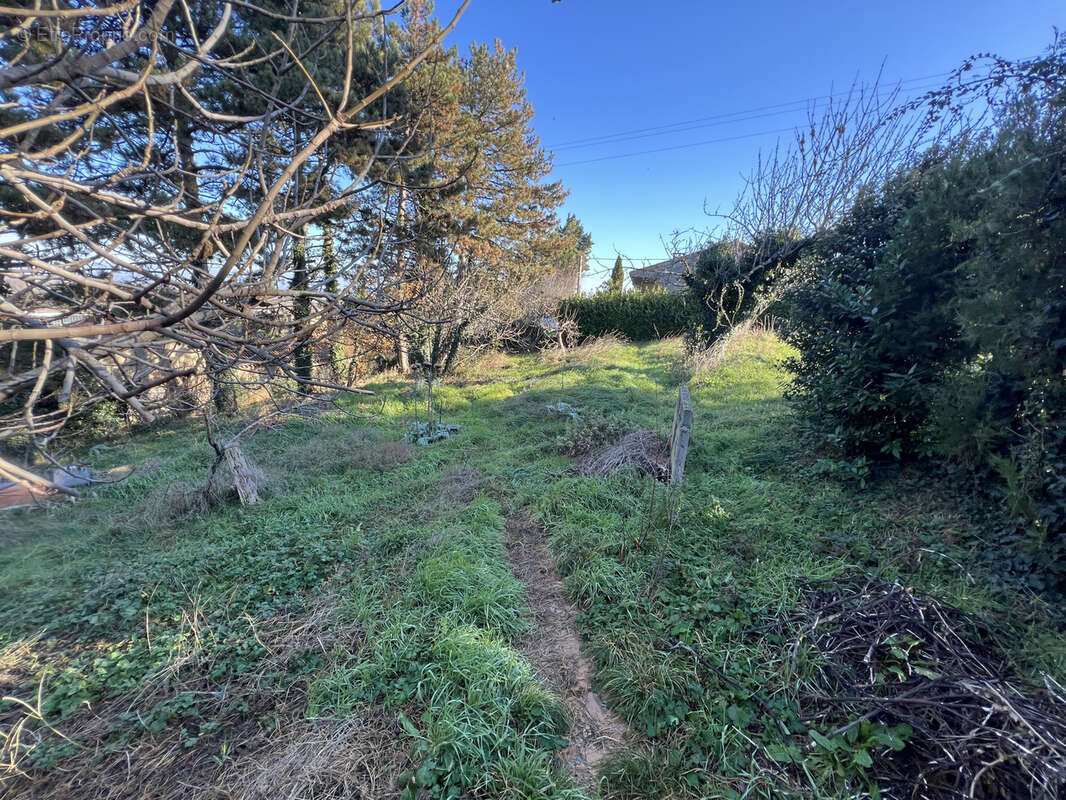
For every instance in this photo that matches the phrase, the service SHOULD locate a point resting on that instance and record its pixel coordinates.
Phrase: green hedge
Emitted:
(932, 323)
(639, 316)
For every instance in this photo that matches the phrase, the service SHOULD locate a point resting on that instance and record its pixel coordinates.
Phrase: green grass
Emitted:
(364, 583)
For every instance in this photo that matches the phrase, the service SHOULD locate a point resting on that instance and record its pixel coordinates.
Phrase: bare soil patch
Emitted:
(554, 648)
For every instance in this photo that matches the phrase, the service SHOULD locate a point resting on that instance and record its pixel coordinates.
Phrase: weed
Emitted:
(586, 434)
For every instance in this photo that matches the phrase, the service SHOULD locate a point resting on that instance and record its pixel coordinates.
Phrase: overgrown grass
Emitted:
(373, 582)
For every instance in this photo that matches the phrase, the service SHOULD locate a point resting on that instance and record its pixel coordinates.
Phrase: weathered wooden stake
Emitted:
(679, 437)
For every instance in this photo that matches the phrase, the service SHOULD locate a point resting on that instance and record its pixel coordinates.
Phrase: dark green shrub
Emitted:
(1011, 308)
(730, 284)
(872, 316)
(932, 323)
(639, 316)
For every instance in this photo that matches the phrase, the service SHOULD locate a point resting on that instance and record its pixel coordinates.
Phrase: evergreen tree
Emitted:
(477, 206)
(575, 247)
(618, 276)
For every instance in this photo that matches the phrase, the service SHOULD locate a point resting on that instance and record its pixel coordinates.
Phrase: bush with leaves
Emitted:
(639, 316)
(732, 283)
(932, 323)
(871, 316)
(1003, 415)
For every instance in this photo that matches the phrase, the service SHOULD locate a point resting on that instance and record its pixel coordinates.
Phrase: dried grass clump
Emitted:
(325, 448)
(592, 347)
(188, 501)
(262, 760)
(383, 456)
(183, 500)
(481, 365)
(336, 452)
(176, 502)
(646, 450)
(738, 339)
(325, 760)
(899, 657)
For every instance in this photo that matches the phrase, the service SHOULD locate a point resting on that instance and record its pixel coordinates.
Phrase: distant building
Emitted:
(667, 275)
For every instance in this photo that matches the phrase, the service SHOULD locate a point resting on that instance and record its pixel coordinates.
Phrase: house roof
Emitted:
(668, 274)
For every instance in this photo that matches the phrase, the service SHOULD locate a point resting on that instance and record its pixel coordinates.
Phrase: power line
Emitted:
(682, 127)
(677, 147)
(725, 115)
(677, 127)
(604, 259)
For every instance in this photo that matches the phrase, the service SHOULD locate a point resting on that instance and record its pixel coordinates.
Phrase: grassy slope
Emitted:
(374, 586)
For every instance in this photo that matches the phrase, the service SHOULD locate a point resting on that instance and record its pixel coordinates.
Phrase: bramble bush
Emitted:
(639, 316)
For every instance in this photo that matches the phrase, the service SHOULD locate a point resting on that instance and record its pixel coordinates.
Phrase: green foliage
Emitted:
(587, 433)
(618, 277)
(872, 321)
(482, 702)
(408, 610)
(639, 316)
(847, 757)
(445, 644)
(485, 217)
(729, 284)
(930, 324)
(423, 433)
(577, 243)
(565, 410)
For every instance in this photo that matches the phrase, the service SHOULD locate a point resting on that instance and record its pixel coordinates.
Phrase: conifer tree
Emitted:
(478, 204)
(617, 279)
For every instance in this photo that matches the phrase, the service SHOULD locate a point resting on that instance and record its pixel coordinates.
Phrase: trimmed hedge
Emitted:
(639, 316)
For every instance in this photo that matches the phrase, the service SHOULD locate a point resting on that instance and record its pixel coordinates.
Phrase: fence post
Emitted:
(680, 436)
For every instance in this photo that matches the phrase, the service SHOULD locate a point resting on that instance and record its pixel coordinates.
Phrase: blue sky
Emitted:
(597, 68)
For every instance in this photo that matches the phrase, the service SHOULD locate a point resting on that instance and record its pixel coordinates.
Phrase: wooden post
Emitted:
(680, 436)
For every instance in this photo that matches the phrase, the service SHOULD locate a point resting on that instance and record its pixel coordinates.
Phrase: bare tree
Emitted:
(798, 190)
(159, 165)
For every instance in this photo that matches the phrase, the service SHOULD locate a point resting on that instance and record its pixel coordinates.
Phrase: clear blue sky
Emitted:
(600, 67)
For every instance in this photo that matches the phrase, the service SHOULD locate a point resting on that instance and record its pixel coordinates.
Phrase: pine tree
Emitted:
(576, 244)
(484, 216)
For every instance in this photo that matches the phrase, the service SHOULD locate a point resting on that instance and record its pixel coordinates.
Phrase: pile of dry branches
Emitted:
(891, 654)
(646, 450)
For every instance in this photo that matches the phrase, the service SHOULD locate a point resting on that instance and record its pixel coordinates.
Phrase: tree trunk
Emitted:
(245, 479)
(453, 347)
(403, 362)
(301, 309)
(329, 270)
(219, 375)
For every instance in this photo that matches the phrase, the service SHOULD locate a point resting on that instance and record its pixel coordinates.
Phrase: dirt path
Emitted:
(554, 648)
